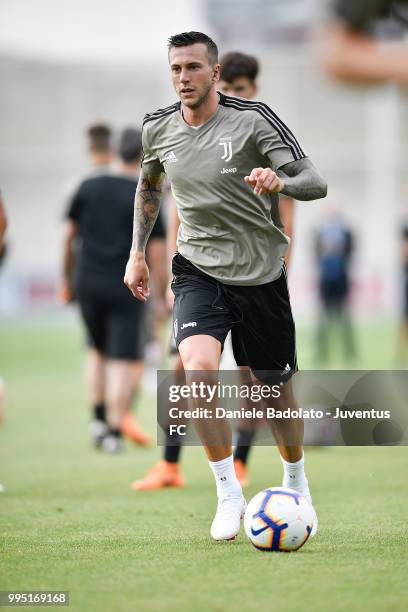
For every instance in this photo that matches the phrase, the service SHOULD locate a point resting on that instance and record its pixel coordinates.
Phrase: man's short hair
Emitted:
(186, 39)
(130, 145)
(99, 135)
(236, 64)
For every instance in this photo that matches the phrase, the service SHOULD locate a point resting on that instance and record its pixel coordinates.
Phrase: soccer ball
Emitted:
(278, 519)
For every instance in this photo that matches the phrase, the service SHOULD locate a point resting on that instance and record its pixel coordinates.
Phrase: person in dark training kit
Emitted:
(100, 214)
(402, 344)
(334, 246)
(224, 157)
(3, 228)
(101, 156)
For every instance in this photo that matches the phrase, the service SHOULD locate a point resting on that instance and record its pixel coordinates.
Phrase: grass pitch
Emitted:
(69, 521)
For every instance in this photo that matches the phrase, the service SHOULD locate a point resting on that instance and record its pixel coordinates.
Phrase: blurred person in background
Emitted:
(100, 148)
(334, 246)
(402, 346)
(3, 228)
(238, 77)
(351, 48)
(101, 215)
(101, 155)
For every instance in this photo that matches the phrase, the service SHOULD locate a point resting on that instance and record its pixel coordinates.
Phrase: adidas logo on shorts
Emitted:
(286, 370)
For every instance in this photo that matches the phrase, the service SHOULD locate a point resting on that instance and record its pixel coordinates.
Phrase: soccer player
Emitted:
(100, 214)
(3, 228)
(224, 156)
(101, 154)
(3, 224)
(334, 249)
(402, 344)
(238, 77)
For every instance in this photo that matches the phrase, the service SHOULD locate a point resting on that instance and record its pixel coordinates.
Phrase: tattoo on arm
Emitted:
(148, 199)
(302, 180)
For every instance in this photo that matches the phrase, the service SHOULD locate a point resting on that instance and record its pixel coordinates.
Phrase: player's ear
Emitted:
(216, 73)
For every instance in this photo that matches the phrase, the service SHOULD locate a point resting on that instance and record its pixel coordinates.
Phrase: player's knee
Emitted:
(199, 363)
(200, 353)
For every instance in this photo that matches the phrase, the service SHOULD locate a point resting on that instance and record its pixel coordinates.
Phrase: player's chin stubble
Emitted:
(197, 103)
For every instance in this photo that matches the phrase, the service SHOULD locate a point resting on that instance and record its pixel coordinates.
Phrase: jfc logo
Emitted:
(226, 143)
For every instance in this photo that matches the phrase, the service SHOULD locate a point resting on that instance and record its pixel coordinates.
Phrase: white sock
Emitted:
(294, 475)
(225, 478)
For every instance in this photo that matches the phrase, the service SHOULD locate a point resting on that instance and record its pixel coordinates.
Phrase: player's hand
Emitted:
(264, 180)
(65, 294)
(137, 276)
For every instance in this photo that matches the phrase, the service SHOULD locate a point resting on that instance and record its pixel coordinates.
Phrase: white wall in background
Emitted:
(94, 30)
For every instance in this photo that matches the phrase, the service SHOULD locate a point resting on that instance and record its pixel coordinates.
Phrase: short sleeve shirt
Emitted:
(225, 229)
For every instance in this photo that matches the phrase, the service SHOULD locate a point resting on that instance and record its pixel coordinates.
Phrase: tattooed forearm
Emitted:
(302, 180)
(148, 199)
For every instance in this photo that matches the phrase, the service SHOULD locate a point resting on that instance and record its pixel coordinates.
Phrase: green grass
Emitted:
(69, 521)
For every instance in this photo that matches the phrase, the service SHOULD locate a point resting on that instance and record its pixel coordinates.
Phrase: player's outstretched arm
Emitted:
(298, 179)
(302, 181)
(148, 200)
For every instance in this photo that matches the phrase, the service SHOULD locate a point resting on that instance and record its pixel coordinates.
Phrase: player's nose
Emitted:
(184, 76)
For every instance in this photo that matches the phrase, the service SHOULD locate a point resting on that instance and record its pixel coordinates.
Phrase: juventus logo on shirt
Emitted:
(227, 144)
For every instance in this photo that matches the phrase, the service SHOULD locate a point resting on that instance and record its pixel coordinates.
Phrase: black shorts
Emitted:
(115, 321)
(259, 317)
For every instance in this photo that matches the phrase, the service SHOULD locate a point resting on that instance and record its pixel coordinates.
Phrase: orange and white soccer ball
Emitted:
(278, 519)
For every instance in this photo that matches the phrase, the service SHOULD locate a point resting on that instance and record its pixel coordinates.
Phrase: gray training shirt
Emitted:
(225, 229)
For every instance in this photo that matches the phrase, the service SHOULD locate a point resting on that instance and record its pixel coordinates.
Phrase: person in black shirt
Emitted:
(101, 215)
(403, 335)
(3, 227)
(352, 51)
